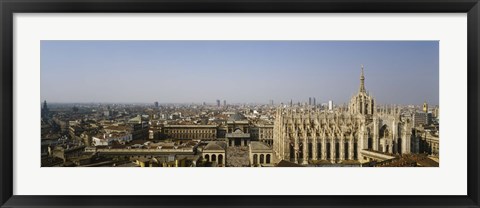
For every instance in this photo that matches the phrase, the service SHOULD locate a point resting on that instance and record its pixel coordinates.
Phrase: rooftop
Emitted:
(237, 117)
(259, 146)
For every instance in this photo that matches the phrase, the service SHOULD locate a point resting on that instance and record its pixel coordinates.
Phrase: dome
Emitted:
(238, 131)
(216, 146)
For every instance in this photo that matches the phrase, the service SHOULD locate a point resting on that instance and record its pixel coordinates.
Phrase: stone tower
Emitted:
(425, 107)
(362, 102)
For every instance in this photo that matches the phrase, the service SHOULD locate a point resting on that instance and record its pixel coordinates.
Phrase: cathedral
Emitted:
(357, 134)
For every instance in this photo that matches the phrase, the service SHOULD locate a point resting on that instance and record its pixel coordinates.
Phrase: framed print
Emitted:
(239, 103)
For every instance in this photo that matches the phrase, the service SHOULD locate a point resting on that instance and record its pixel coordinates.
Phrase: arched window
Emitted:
(255, 159)
(220, 159)
(262, 159)
(268, 159)
(207, 158)
(292, 152)
(214, 158)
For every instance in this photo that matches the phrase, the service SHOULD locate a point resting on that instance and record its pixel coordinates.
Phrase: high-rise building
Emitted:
(330, 105)
(156, 104)
(309, 101)
(420, 118)
(314, 101)
(224, 102)
(436, 112)
(218, 103)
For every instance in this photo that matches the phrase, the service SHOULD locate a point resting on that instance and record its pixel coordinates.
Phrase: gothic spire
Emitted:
(362, 81)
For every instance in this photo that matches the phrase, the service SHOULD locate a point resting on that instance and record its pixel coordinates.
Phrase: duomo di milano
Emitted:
(343, 136)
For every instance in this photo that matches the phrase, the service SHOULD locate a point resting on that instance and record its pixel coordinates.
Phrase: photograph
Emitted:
(239, 103)
(221, 103)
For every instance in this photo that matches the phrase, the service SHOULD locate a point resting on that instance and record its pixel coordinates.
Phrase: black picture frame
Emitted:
(9, 7)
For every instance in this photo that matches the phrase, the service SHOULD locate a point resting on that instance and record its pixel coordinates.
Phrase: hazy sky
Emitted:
(396, 72)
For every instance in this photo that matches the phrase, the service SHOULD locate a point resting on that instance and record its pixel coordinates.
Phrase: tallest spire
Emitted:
(362, 81)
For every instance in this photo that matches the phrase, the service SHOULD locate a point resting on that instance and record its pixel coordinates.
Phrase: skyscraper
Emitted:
(156, 104)
(218, 103)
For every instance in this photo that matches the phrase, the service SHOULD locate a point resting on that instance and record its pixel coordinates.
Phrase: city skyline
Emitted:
(397, 72)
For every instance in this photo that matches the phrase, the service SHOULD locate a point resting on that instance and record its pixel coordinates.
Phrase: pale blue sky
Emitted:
(397, 72)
